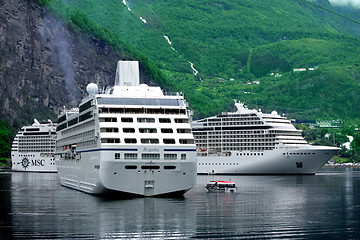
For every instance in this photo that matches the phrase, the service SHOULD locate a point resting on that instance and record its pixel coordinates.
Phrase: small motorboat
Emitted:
(221, 186)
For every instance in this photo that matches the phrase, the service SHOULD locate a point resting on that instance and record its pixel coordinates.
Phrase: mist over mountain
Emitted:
(45, 64)
(346, 3)
(213, 51)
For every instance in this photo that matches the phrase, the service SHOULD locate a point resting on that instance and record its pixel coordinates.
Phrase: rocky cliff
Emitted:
(44, 65)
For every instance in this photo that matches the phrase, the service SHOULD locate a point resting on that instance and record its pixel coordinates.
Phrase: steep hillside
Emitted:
(210, 50)
(201, 45)
(214, 35)
(329, 88)
(351, 13)
(45, 65)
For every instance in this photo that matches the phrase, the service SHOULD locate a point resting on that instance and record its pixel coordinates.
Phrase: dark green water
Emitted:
(324, 206)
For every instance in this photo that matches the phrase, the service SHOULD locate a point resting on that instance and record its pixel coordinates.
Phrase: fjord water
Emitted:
(326, 206)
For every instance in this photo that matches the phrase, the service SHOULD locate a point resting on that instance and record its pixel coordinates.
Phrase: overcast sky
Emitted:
(351, 3)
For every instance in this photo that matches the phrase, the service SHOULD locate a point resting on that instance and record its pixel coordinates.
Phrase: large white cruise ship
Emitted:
(251, 142)
(131, 138)
(33, 148)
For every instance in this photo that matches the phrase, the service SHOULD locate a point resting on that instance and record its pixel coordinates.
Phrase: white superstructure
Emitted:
(33, 148)
(251, 142)
(132, 139)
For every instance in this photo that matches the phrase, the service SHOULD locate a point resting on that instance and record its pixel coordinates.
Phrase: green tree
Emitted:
(5, 141)
(355, 148)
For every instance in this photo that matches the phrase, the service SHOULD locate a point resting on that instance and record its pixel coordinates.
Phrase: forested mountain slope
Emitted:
(211, 50)
(217, 51)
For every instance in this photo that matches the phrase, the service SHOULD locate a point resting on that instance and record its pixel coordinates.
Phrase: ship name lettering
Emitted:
(37, 162)
(151, 150)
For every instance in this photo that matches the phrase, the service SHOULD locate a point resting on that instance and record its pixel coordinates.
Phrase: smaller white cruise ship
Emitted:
(251, 142)
(33, 148)
(129, 139)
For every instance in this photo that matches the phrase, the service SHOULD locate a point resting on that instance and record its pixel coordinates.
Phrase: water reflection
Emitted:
(34, 205)
(281, 207)
(5, 206)
(43, 209)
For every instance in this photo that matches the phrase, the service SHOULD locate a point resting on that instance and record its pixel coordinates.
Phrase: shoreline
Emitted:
(5, 165)
(342, 165)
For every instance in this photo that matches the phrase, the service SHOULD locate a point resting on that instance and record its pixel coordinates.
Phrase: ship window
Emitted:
(150, 167)
(169, 167)
(186, 141)
(116, 110)
(107, 119)
(139, 101)
(103, 110)
(169, 141)
(174, 111)
(32, 129)
(183, 156)
(184, 130)
(61, 119)
(85, 106)
(152, 156)
(150, 140)
(146, 120)
(164, 120)
(126, 119)
(130, 167)
(299, 164)
(134, 110)
(147, 130)
(130, 140)
(61, 127)
(85, 116)
(117, 155)
(166, 130)
(130, 156)
(168, 156)
(181, 120)
(128, 130)
(110, 140)
(71, 122)
(109, 130)
(154, 111)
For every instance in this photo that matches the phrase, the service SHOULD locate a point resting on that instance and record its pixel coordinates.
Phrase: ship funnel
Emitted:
(127, 73)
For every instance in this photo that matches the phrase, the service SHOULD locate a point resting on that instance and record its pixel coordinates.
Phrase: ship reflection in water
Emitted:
(326, 205)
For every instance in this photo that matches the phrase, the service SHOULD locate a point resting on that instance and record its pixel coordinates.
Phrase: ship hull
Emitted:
(98, 173)
(304, 160)
(32, 162)
(130, 139)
